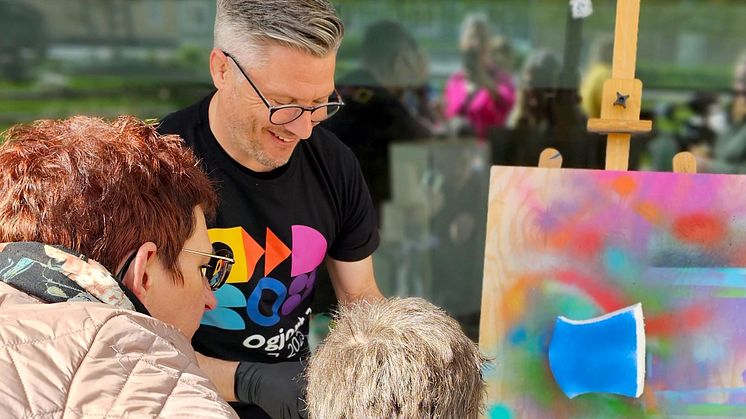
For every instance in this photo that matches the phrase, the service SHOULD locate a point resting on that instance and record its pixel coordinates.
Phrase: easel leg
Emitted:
(617, 152)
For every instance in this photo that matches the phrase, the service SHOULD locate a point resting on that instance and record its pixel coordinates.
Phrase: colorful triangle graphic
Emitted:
(253, 252)
(276, 252)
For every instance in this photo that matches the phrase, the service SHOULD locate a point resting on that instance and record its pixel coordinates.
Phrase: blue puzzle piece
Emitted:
(601, 355)
(223, 318)
(230, 296)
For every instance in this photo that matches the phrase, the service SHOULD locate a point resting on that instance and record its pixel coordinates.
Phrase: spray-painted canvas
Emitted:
(581, 243)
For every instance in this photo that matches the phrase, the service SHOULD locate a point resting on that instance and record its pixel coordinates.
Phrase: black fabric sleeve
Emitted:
(279, 389)
(358, 237)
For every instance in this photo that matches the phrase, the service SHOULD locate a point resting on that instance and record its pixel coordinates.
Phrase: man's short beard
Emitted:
(254, 149)
(253, 146)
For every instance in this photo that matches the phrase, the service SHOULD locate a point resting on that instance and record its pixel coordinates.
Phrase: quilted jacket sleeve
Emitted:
(139, 367)
(71, 360)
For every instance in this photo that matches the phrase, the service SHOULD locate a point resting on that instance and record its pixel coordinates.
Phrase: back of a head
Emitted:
(245, 27)
(393, 55)
(397, 358)
(541, 71)
(99, 188)
(536, 98)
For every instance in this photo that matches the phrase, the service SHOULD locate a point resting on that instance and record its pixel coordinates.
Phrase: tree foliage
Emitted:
(22, 39)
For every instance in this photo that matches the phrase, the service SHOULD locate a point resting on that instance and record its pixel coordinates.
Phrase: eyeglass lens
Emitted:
(288, 114)
(217, 270)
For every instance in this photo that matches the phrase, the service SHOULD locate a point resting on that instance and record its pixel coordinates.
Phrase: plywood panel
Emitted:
(581, 243)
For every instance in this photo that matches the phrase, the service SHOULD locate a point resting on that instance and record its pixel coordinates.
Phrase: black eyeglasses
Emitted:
(285, 114)
(216, 270)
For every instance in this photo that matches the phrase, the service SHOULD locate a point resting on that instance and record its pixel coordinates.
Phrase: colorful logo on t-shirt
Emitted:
(307, 251)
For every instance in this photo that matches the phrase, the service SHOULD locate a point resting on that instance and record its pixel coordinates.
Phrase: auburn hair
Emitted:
(101, 188)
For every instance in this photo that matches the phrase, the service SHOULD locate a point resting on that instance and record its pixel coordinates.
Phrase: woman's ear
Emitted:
(137, 277)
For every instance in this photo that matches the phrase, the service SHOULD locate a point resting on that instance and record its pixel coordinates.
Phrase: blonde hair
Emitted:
(397, 358)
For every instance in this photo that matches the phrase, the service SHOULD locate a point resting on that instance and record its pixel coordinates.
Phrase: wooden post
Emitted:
(550, 158)
(684, 162)
(622, 93)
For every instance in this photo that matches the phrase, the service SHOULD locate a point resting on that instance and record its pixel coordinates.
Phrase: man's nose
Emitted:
(302, 126)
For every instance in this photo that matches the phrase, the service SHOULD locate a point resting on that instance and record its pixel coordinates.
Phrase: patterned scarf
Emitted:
(55, 274)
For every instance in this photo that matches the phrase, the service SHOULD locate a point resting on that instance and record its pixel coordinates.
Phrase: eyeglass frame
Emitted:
(273, 109)
(119, 276)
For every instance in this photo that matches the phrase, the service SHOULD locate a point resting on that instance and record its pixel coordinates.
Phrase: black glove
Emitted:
(279, 389)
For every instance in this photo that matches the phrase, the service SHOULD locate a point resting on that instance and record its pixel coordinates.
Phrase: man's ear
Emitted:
(219, 67)
(137, 278)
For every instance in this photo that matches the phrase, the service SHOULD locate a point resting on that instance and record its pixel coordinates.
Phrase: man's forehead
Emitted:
(297, 74)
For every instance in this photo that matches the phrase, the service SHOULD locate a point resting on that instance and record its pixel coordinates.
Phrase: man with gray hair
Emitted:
(396, 358)
(292, 195)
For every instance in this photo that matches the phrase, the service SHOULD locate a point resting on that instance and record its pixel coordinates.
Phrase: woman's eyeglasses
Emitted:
(216, 270)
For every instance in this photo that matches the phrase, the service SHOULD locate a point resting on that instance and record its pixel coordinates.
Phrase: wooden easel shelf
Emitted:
(609, 126)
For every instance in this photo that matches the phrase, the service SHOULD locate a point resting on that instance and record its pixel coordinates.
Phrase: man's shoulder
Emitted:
(186, 120)
(329, 145)
(326, 150)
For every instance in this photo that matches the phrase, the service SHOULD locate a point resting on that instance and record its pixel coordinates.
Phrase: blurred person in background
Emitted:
(481, 95)
(386, 100)
(501, 61)
(293, 195)
(598, 71)
(547, 115)
(395, 358)
(664, 144)
(728, 154)
(85, 199)
(691, 126)
(534, 120)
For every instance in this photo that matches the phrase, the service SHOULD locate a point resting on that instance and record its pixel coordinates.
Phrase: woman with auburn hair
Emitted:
(83, 199)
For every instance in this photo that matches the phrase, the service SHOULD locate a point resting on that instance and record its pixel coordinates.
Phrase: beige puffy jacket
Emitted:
(81, 359)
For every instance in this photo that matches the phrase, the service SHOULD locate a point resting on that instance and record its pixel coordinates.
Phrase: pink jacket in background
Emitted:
(482, 111)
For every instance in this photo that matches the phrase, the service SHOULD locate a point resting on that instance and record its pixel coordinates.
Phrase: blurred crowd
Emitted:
(519, 103)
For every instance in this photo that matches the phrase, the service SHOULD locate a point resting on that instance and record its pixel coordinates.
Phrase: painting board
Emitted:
(581, 243)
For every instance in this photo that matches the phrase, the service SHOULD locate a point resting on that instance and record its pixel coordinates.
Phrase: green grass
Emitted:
(71, 106)
(667, 76)
(101, 95)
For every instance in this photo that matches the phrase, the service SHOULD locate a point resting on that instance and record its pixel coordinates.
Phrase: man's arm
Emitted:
(353, 280)
(221, 373)
(277, 388)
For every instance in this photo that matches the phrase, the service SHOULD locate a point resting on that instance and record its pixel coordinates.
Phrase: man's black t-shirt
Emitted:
(280, 226)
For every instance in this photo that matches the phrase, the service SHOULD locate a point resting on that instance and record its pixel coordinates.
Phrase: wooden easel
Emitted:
(622, 100)
(514, 225)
